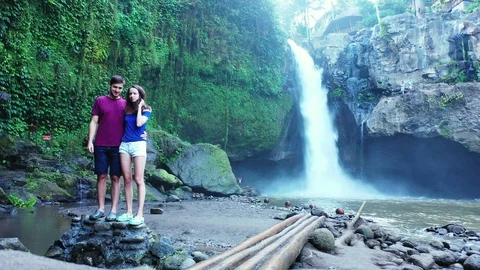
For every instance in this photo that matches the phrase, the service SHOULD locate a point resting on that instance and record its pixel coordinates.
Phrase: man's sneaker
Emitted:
(97, 215)
(137, 221)
(124, 217)
(111, 217)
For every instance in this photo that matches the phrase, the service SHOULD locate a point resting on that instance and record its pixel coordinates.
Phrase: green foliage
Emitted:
(19, 203)
(387, 8)
(450, 100)
(473, 6)
(456, 75)
(368, 98)
(57, 56)
(445, 131)
(476, 65)
(384, 31)
(336, 93)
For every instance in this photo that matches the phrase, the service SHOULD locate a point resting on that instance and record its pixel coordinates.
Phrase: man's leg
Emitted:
(101, 191)
(115, 192)
(115, 174)
(101, 170)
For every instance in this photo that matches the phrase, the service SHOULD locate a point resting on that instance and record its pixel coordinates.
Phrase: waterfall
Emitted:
(83, 189)
(324, 176)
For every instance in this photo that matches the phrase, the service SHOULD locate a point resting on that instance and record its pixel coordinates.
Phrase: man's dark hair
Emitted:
(117, 79)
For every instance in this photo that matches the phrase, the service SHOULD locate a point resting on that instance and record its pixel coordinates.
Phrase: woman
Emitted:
(134, 147)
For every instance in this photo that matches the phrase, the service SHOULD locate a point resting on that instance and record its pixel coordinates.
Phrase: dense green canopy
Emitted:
(212, 69)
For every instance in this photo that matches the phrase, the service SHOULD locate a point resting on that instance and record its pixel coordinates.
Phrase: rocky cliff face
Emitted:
(435, 62)
(431, 110)
(407, 51)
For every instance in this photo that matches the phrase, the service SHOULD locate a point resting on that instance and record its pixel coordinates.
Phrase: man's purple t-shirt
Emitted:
(110, 120)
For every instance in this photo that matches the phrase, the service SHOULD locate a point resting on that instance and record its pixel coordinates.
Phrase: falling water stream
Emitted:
(324, 176)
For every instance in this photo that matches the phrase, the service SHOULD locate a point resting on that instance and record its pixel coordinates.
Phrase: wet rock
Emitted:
(365, 231)
(318, 212)
(456, 229)
(187, 263)
(323, 240)
(173, 198)
(174, 262)
(425, 261)
(472, 262)
(162, 247)
(422, 248)
(199, 256)
(443, 258)
(436, 244)
(409, 244)
(281, 216)
(54, 252)
(106, 245)
(156, 211)
(411, 267)
(13, 244)
(372, 243)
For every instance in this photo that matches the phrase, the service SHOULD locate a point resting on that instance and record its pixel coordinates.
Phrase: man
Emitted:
(107, 127)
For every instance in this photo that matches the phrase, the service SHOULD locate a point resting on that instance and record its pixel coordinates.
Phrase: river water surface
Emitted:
(404, 215)
(38, 229)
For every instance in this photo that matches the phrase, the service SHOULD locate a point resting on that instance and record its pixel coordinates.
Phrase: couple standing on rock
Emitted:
(118, 127)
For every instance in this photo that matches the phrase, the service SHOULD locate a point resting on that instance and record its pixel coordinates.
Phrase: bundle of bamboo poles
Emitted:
(275, 248)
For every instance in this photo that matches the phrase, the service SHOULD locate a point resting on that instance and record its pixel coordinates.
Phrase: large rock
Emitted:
(13, 244)
(429, 111)
(106, 244)
(323, 240)
(159, 178)
(206, 168)
(425, 261)
(48, 191)
(4, 197)
(472, 262)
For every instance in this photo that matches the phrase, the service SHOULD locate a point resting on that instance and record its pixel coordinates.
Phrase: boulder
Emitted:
(161, 178)
(4, 197)
(13, 244)
(323, 240)
(425, 261)
(110, 245)
(46, 190)
(206, 168)
(472, 262)
(443, 258)
(365, 231)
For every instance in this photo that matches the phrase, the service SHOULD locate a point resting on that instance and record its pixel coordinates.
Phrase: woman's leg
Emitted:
(126, 163)
(139, 169)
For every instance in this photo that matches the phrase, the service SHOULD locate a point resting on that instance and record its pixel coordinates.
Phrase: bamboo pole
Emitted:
(286, 255)
(238, 258)
(245, 244)
(264, 253)
(347, 234)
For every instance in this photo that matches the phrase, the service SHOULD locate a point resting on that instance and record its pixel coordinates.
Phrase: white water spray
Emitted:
(324, 175)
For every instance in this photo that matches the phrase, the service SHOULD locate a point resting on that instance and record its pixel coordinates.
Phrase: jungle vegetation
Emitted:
(212, 69)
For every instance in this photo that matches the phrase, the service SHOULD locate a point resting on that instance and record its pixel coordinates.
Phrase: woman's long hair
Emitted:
(132, 107)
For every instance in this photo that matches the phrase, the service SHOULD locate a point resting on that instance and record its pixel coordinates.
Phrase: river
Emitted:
(38, 229)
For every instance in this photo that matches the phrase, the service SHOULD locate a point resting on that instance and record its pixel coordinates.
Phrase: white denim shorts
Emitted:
(134, 149)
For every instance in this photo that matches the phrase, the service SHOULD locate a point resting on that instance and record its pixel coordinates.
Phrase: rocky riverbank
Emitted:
(195, 230)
